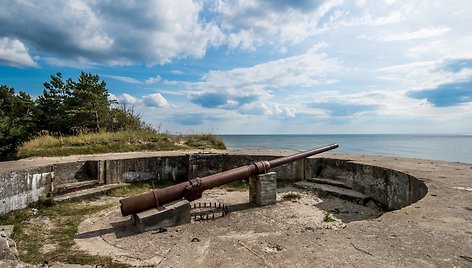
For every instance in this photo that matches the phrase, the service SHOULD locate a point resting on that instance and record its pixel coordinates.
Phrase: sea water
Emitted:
(456, 148)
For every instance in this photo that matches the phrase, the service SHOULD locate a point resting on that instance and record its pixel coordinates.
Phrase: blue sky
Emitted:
(256, 67)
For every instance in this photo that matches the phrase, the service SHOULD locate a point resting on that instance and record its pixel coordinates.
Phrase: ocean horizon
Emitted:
(446, 147)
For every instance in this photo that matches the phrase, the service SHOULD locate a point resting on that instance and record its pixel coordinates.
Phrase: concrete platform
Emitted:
(343, 193)
(436, 231)
(337, 183)
(74, 187)
(87, 192)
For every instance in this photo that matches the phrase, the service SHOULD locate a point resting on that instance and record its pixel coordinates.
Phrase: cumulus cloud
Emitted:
(310, 68)
(254, 23)
(111, 32)
(249, 90)
(126, 99)
(262, 108)
(221, 99)
(446, 95)
(455, 90)
(14, 53)
(155, 100)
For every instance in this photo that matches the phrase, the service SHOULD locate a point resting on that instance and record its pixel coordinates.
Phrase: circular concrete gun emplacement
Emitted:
(334, 210)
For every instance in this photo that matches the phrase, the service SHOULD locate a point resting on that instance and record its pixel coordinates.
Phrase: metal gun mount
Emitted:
(193, 189)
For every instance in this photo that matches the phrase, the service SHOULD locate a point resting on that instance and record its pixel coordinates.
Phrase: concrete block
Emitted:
(262, 189)
(173, 214)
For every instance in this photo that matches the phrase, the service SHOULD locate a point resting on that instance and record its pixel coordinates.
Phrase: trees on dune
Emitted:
(66, 107)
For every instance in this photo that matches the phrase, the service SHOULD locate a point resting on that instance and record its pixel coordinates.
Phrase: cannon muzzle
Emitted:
(193, 189)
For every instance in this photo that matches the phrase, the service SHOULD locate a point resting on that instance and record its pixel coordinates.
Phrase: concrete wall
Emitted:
(173, 168)
(20, 188)
(391, 188)
(73, 171)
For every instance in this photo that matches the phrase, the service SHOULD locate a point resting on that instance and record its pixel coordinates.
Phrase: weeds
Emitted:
(328, 217)
(291, 196)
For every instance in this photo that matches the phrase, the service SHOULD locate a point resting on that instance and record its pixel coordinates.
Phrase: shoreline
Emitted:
(25, 163)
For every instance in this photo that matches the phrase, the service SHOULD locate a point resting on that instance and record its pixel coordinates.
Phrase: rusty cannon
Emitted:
(193, 189)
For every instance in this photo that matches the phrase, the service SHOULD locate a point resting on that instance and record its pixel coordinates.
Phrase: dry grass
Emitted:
(46, 224)
(123, 141)
(55, 227)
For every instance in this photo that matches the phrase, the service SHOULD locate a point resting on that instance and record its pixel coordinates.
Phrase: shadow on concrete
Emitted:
(120, 229)
(348, 211)
(242, 206)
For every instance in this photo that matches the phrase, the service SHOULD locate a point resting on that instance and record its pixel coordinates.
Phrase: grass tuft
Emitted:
(202, 141)
(291, 196)
(328, 217)
(241, 185)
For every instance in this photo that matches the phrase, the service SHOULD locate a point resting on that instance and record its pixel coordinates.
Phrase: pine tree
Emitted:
(89, 105)
(16, 120)
(51, 111)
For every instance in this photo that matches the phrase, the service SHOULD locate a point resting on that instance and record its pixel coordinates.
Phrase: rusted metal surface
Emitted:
(193, 189)
(208, 211)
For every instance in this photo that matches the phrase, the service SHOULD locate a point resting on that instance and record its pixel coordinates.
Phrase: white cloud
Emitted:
(262, 108)
(125, 79)
(130, 80)
(155, 100)
(421, 75)
(251, 90)
(459, 47)
(419, 34)
(153, 80)
(254, 23)
(369, 19)
(111, 32)
(13, 52)
(310, 68)
(126, 99)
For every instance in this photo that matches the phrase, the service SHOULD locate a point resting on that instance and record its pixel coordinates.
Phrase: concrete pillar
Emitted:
(262, 189)
(101, 171)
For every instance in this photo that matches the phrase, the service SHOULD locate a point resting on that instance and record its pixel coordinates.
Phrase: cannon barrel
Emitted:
(193, 189)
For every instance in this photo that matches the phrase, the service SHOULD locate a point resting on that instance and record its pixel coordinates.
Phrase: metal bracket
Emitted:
(194, 190)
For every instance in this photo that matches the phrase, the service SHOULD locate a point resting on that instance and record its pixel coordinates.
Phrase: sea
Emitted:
(454, 148)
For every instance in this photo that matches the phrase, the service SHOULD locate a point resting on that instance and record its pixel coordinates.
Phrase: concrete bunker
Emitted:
(109, 234)
(391, 189)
